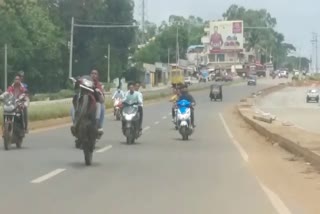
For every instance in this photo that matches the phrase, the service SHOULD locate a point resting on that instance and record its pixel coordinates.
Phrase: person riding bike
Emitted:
(99, 96)
(118, 94)
(133, 96)
(25, 110)
(185, 95)
(17, 89)
(140, 108)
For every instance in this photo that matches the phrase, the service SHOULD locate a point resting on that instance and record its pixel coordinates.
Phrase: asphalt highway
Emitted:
(159, 174)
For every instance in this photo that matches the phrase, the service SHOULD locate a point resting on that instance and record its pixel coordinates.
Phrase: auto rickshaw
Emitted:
(215, 92)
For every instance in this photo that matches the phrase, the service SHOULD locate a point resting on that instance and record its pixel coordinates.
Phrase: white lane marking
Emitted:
(47, 176)
(235, 142)
(146, 129)
(156, 123)
(275, 200)
(164, 117)
(106, 148)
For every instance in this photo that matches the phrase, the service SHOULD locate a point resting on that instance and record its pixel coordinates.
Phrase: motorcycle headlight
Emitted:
(128, 116)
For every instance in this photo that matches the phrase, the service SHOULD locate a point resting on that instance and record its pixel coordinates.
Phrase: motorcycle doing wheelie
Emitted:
(184, 118)
(130, 122)
(13, 124)
(117, 105)
(87, 110)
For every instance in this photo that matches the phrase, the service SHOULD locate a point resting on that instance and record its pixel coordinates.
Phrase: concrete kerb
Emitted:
(284, 141)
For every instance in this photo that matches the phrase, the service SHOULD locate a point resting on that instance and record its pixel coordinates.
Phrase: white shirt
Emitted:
(140, 98)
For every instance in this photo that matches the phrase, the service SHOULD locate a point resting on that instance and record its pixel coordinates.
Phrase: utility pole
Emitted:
(108, 63)
(5, 67)
(315, 45)
(177, 48)
(143, 21)
(71, 47)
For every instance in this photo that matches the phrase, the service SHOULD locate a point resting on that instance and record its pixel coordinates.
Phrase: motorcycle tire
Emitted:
(88, 153)
(7, 136)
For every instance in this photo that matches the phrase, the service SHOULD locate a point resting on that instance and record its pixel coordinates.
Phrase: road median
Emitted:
(295, 140)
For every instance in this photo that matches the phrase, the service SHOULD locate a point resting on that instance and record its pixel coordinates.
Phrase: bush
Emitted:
(65, 93)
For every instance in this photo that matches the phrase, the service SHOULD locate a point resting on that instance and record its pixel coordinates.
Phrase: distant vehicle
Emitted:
(252, 80)
(188, 80)
(312, 95)
(176, 76)
(283, 74)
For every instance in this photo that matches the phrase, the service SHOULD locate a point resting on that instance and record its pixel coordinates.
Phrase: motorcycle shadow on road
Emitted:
(134, 144)
(80, 165)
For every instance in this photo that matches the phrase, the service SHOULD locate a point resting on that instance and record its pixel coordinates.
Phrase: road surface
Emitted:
(160, 174)
(290, 104)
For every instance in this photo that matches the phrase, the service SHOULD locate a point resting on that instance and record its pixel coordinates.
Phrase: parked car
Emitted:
(312, 95)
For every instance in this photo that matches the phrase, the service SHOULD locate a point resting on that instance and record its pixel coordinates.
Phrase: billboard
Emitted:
(226, 36)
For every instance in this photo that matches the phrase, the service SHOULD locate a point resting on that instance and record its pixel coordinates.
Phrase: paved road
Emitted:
(160, 174)
(290, 104)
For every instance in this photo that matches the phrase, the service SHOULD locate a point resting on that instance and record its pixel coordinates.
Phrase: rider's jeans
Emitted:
(102, 111)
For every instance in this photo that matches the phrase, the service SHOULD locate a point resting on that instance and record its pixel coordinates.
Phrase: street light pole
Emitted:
(108, 63)
(71, 47)
(5, 67)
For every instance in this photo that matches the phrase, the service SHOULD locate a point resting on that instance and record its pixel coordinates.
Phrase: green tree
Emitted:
(264, 39)
(189, 30)
(34, 43)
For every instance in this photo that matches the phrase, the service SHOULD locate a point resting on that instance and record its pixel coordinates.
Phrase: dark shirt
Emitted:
(187, 96)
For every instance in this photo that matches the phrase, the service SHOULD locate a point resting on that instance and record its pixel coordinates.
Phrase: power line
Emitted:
(105, 26)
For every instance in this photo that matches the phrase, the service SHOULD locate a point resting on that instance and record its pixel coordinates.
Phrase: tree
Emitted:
(34, 43)
(189, 30)
(261, 40)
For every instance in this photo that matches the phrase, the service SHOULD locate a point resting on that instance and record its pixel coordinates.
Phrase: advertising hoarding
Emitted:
(226, 36)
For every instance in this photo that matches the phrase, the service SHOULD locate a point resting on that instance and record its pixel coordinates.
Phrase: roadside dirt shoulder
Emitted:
(295, 181)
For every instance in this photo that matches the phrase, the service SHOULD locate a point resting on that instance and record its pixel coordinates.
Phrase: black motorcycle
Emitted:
(13, 124)
(86, 109)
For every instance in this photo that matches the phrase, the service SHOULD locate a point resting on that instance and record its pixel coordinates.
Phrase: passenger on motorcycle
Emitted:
(25, 110)
(140, 108)
(17, 89)
(185, 95)
(174, 99)
(133, 96)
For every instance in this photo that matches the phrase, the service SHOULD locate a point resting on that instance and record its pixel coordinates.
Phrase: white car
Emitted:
(312, 95)
(187, 80)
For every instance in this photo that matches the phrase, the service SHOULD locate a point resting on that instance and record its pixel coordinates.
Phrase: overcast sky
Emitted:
(297, 19)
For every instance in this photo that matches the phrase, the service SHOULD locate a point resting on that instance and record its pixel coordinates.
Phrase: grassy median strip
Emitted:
(62, 110)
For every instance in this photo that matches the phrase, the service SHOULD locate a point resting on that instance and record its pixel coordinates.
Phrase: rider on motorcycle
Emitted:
(137, 87)
(17, 89)
(118, 94)
(185, 95)
(174, 99)
(132, 96)
(99, 96)
(25, 110)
